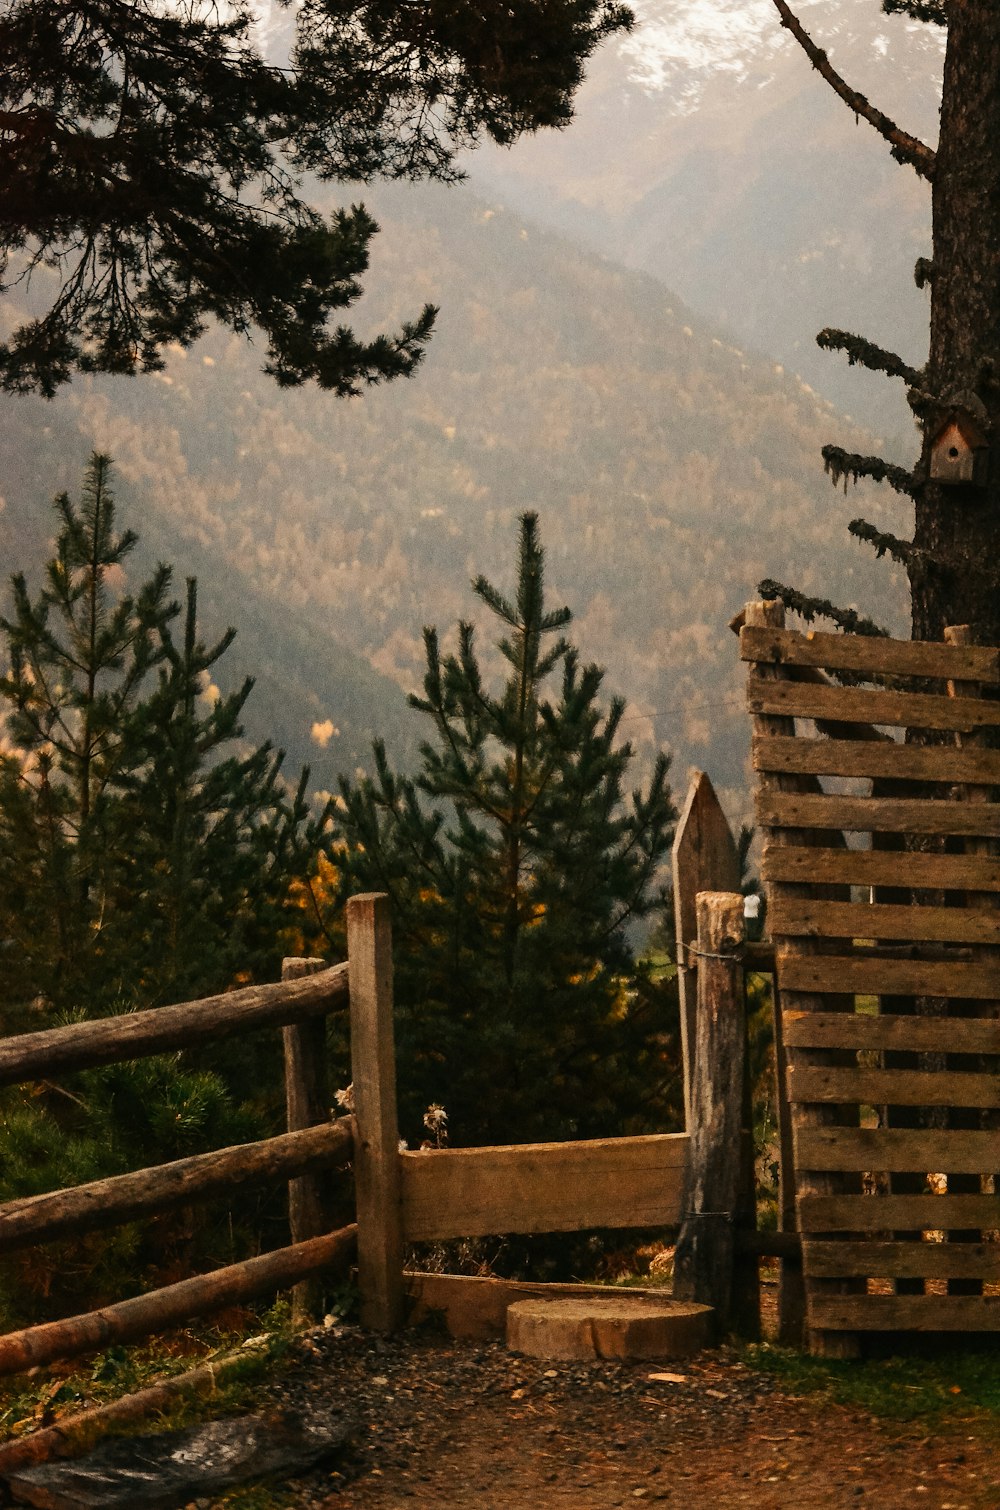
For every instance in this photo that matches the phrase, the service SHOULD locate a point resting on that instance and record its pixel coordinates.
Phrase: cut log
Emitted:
(623, 1327)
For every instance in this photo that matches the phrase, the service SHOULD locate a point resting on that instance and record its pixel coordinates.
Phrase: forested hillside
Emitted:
(670, 470)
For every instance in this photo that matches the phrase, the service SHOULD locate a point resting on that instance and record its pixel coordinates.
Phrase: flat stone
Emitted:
(623, 1326)
(171, 1469)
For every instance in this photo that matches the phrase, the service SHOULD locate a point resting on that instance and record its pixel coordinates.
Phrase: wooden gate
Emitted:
(882, 870)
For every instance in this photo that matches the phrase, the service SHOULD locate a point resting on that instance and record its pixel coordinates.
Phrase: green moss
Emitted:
(953, 1385)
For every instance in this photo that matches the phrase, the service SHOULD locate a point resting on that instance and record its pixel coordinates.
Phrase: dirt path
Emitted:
(444, 1426)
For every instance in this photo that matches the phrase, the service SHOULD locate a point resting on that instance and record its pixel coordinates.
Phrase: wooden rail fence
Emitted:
(401, 1197)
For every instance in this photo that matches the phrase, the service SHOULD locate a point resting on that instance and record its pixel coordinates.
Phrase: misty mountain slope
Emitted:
(706, 151)
(670, 471)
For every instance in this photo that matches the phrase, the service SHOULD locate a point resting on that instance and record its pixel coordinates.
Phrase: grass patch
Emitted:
(953, 1385)
(27, 1404)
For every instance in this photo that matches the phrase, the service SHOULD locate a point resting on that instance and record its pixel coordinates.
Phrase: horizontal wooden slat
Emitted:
(809, 1083)
(895, 1149)
(907, 710)
(866, 867)
(915, 1260)
(849, 652)
(899, 1213)
(544, 1187)
(804, 918)
(136, 1035)
(977, 979)
(859, 1030)
(904, 1313)
(877, 815)
(788, 754)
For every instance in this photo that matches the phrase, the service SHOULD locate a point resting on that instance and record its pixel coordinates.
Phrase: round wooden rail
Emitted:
(136, 1035)
(129, 1320)
(103, 1203)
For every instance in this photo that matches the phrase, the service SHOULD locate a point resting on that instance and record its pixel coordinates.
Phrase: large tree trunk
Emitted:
(960, 526)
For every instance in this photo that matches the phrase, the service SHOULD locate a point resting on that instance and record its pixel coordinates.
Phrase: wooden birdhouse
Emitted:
(960, 453)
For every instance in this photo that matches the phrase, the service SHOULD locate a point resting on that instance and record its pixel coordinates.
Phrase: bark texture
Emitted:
(959, 527)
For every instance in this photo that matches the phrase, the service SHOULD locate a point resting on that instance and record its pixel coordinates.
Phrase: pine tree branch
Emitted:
(848, 466)
(847, 619)
(935, 11)
(903, 551)
(862, 353)
(905, 148)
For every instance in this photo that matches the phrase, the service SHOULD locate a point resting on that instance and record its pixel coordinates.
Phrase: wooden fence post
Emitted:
(373, 1066)
(704, 858)
(307, 1099)
(704, 1265)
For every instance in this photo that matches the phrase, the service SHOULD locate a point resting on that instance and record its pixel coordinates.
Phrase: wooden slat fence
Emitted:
(888, 966)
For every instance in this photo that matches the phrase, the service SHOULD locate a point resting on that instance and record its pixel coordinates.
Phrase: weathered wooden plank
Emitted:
(373, 1067)
(704, 858)
(898, 1213)
(896, 1149)
(882, 815)
(123, 1197)
(136, 1035)
(866, 867)
(803, 917)
(704, 1262)
(859, 1030)
(907, 710)
(842, 1087)
(128, 1320)
(831, 757)
(544, 1187)
(976, 979)
(847, 652)
(913, 1260)
(910, 1313)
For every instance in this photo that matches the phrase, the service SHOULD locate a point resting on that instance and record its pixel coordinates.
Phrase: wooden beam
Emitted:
(866, 867)
(893, 761)
(907, 1313)
(704, 858)
(136, 1035)
(544, 1187)
(899, 1213)
(858, 1030)
(813, 1084)
(896, 1149)
(907, 710)
(881, 815)
(868, 653)
(913, 1260)
(129, 1320)
(806, 918)
(868, 975)
(373, 1065)
(123, 1197)
(704, 1263)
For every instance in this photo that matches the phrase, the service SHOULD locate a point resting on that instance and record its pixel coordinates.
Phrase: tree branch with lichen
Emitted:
(848, 466)
(905, 148)
(863, 353)
(847, 619)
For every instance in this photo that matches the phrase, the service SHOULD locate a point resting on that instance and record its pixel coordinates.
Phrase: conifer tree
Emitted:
(140, 858)
(151, 158)
(78, 659)
(515, 865)
(953, 559)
